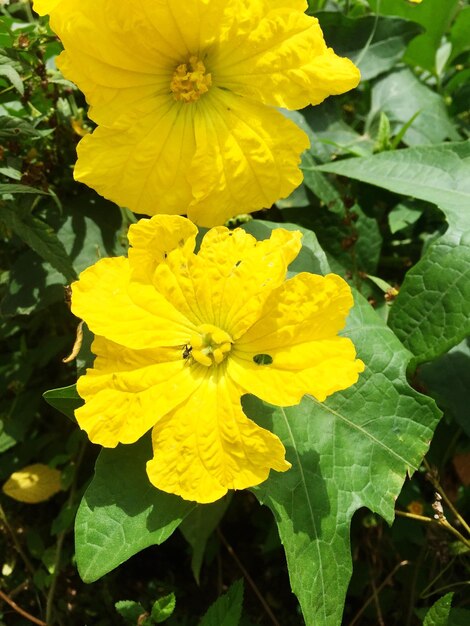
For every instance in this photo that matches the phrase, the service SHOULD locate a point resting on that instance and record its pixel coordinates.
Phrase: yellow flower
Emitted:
(184, 95)
(180, 337)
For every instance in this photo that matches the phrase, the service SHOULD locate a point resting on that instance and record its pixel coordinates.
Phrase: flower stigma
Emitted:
(210, 345)
(190, 81)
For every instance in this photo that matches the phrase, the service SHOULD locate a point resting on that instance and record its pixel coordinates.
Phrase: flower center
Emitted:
(190, 81)
(210, 345)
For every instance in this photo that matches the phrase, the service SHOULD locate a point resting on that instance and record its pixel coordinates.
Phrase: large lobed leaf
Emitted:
(352, 451)
(432, 311)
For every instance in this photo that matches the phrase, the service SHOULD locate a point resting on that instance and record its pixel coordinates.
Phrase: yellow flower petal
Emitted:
(33, 484)
(152, 240)
(246, 158)
(145, 166)
(180, 93)
(237, 274)
(208, 446)
(230, 278)
(42, 7)
(318, 368)
(307, 307)
(128, 391)
(114, 57)
(297, 331)
(102, 298)
(285, 62)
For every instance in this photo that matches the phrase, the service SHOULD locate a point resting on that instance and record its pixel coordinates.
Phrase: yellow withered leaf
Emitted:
(33, 484)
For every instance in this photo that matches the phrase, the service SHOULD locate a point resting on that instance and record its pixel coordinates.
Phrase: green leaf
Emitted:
(12, 189)
(33, 285)
(354, 450)
(131, 611)
(15, 127)
(64, 399)
(374, 44)
(459, 34)
(438, 614)
(226, 610)
(437, 174)
(402, 216)
(198, 526)
(447, 380)
(40, 237)
(91, 230)
(434, 15)
(163, 608)
(431, 123)
(432, 310)
(9, 72)
(121, 513)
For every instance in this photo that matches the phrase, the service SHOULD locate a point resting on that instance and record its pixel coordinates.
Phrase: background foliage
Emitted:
(361, 529)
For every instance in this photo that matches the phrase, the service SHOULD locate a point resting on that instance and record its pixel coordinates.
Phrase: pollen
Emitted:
(190, 81)
(210, 345)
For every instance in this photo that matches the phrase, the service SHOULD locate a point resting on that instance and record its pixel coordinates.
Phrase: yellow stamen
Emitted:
(190, 81)
(210, 345)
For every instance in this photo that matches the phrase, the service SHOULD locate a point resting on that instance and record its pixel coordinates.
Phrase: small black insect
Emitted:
(187, 351)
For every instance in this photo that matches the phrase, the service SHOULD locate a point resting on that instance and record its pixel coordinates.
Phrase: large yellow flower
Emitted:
(184, 94)
(180, 337)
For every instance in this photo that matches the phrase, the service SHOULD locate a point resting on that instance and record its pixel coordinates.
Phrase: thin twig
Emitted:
(377, 591)
(249, 580)
(21, 611)
(16, 542)
(375, 594)
(436, 484)
(439, 522)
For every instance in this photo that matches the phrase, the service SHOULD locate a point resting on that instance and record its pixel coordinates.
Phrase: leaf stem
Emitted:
(21, 611)
(249, 580)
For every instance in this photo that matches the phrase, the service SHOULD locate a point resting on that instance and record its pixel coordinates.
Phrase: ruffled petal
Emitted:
(318, 368)
(308, 307)
(247, 157)
(145, 166)
(101, 297)
(297, 331)
(231, 277)
(152, 240)
(235, 274)
(284, 61)
(116, 56)
(208, 445)
(128, 391)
